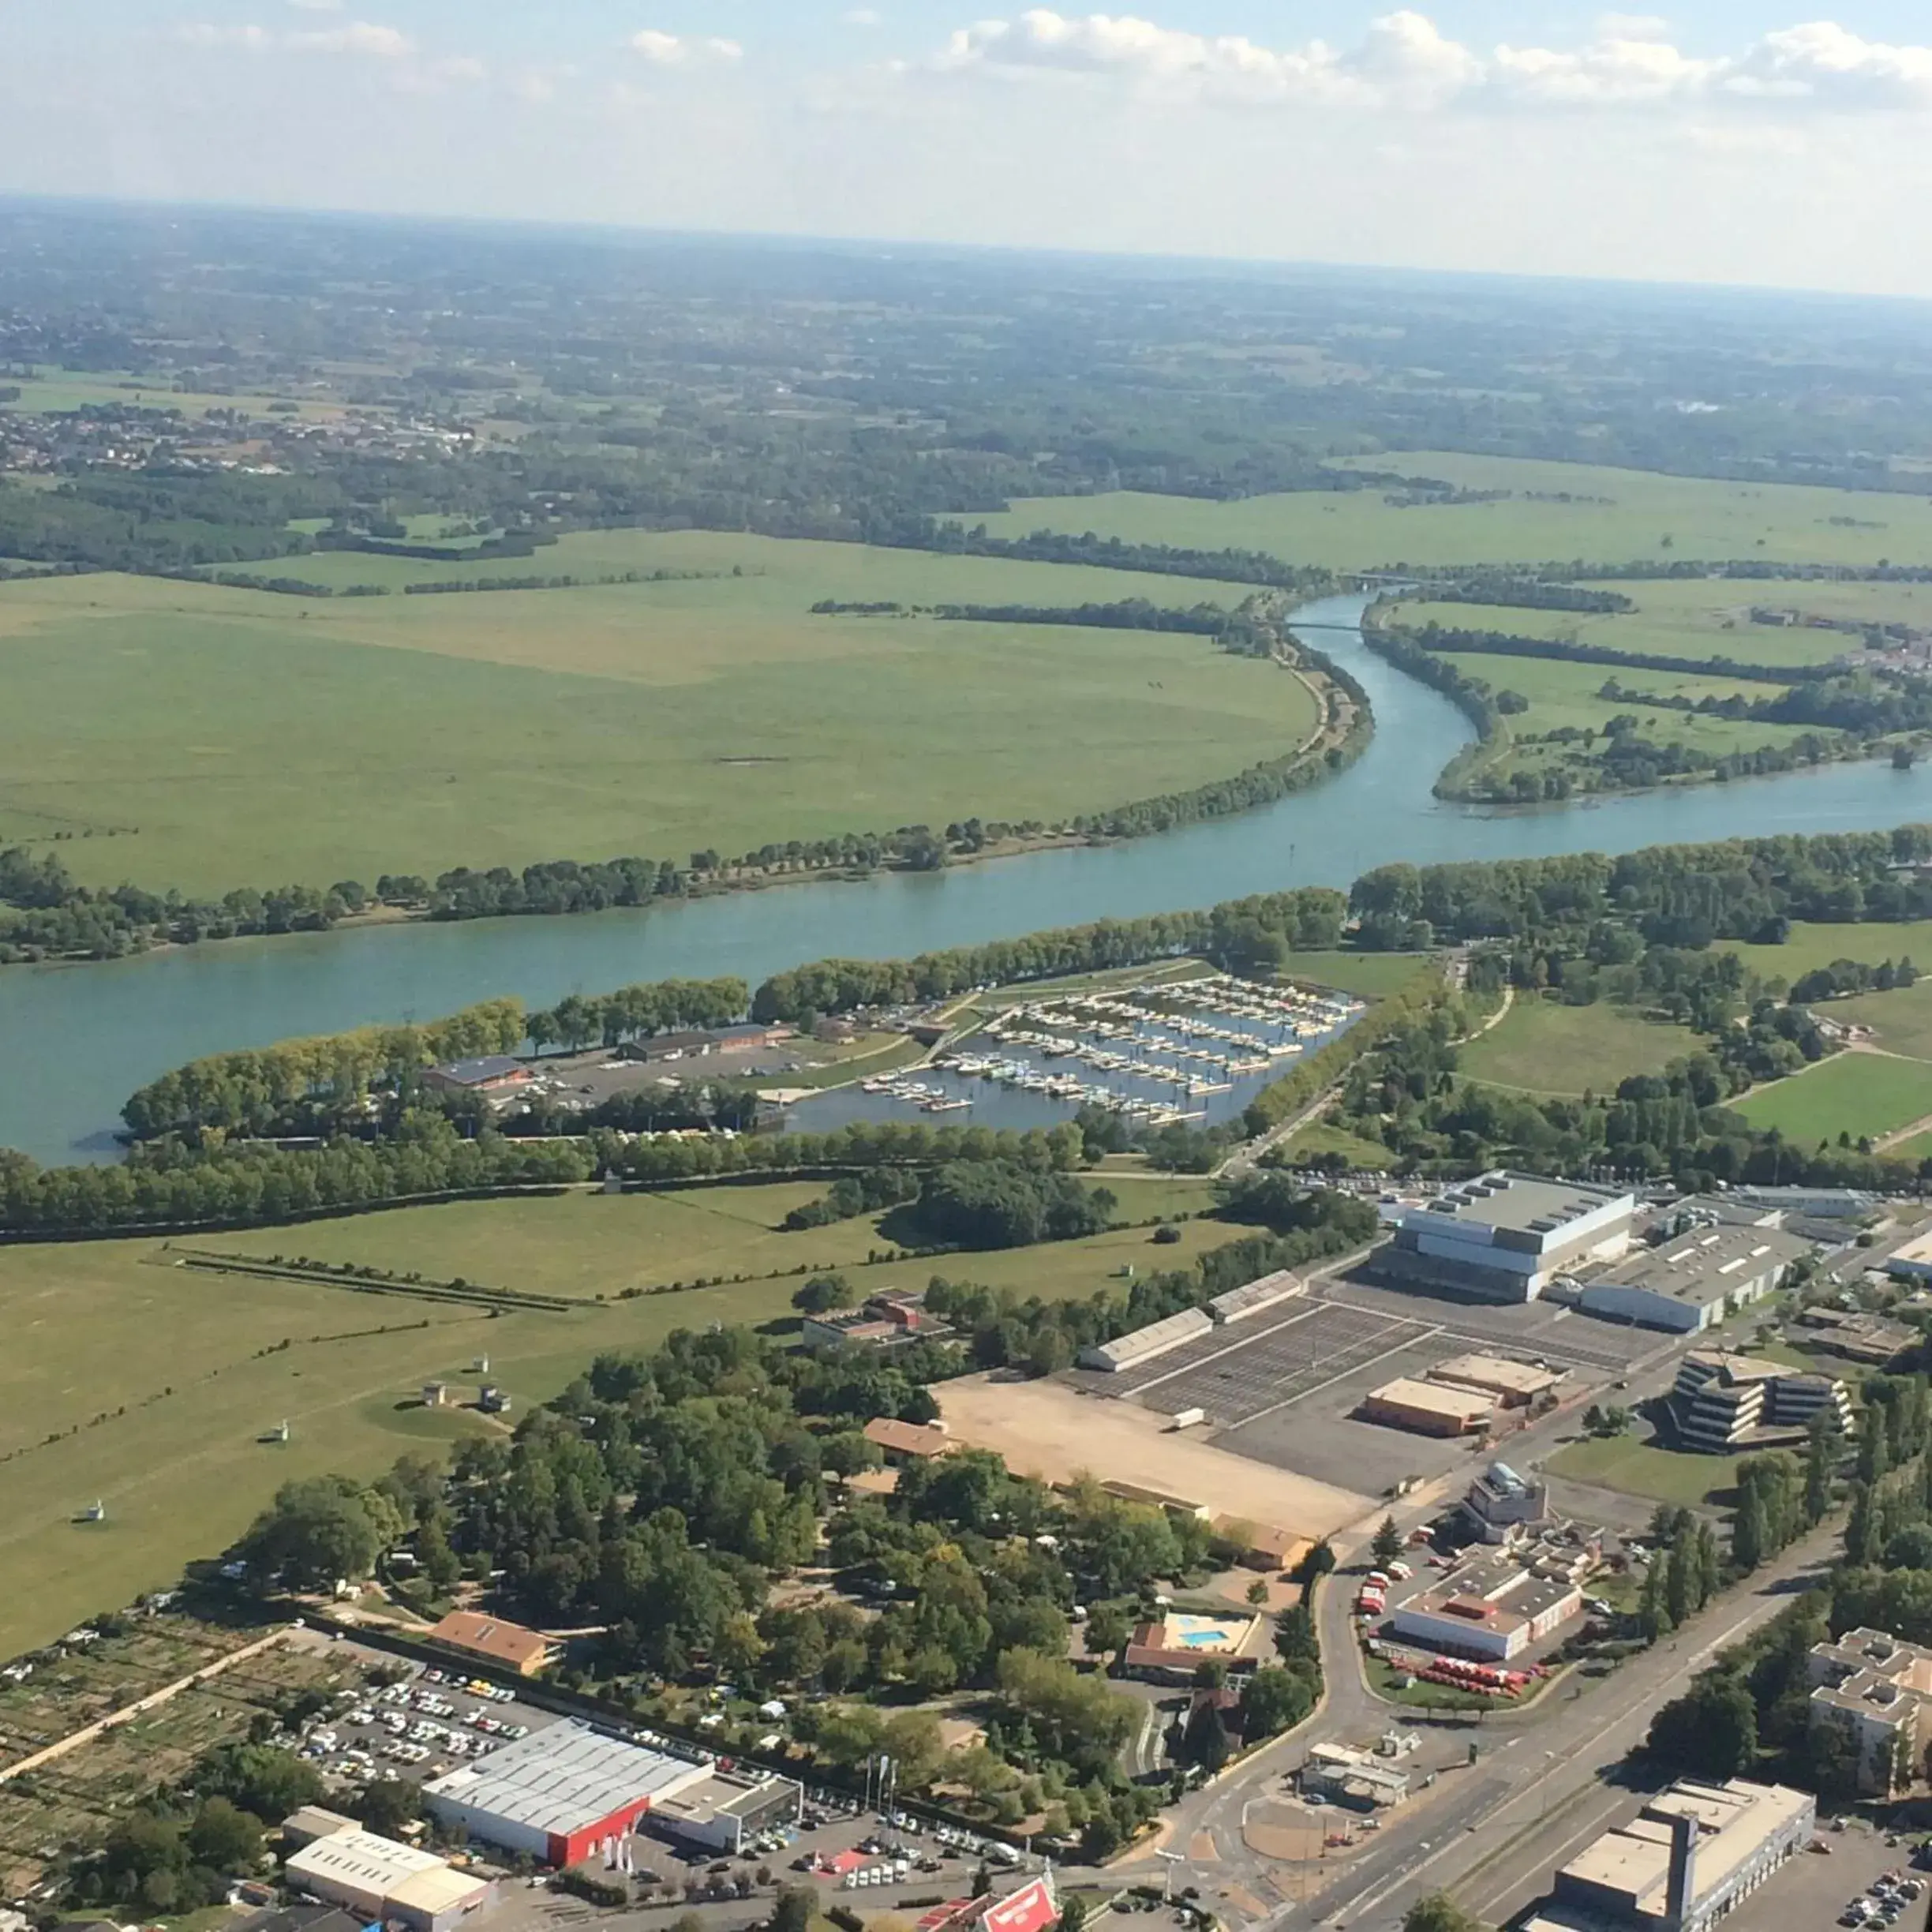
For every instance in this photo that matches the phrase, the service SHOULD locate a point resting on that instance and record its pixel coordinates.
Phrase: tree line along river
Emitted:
(75, 1040)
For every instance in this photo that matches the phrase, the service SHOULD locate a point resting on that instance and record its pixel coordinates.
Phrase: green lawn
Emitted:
(149, 1386)
(1320, 1137)
(1901, 1021)
(1546, 1047)
(1854, 1093)
(1641, 1469)
(1809, 946)
(1700, 618)
(205, 739)
(1637, 513)
(1374, 976)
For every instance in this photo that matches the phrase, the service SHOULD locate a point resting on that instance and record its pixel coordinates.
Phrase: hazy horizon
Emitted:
(1724, 144)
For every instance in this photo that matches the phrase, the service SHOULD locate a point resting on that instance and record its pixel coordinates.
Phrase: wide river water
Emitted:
(75, 1040)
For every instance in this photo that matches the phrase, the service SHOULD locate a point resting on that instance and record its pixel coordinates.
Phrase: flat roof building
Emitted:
(724, 1808)
(1720, 1402)
(1873, 1689)
(1345, 1776)
(1506, 1236)
(559, 1794)
(1513, 1384)
(1142, 1345)
(1168, 1651)
(1693, 1281)
(1492, 1608)
(1686, 1858)
(1499, 1503)
(495, 1640)
(380, 1881)
(1429, 1408)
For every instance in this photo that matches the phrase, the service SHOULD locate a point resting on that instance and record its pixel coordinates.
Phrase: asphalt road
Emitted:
(1492, 1833)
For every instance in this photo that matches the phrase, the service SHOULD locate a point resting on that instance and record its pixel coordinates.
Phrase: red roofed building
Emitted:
(1033, 1907)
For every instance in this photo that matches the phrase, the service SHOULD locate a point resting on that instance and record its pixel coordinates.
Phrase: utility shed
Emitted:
(1142, 1345)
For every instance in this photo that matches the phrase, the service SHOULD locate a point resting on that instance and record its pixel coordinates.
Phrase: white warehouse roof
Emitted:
(562, 1778)
(1156, 1339)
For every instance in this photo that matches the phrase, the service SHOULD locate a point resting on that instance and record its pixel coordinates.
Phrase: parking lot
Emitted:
(1811, 1891)
(423, 1724)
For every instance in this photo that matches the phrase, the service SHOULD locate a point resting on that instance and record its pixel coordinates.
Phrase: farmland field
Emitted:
(206, 738)
(1900, 1020)
(151, 1385)
(1544, 1047)
(1699, 618)
(1611, 515)
(1854, 1093)
(1561, 694)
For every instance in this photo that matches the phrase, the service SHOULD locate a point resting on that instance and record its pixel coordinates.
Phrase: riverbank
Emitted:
(56, 919)
(78, 1041)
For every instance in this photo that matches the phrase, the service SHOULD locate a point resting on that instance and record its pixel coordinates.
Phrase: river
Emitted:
(75, 1040)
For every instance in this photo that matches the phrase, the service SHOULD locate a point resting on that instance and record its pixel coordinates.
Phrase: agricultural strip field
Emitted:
(1544, 1047)
(205, 738)
(151, 1385)
(77, 1796)
(1699, 618)
(1611, 515)
(1853, 1093)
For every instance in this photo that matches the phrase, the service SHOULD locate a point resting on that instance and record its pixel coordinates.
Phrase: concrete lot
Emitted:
(1282, 1390)
(1809, 1891)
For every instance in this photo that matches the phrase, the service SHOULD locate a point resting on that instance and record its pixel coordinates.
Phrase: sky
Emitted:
(1742, 141)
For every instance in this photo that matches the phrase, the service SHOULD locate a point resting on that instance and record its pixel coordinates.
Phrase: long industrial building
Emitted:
(558, 1794)
(383, 1882)
(1506, 1236)
(1429, 1408)
(1128, 1351)
(1686, 1859)
(1493, 1608)
(1693, 1282)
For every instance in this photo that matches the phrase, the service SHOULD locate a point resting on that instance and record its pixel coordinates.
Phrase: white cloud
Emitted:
(862, 17)
(359, 37)
(202, 34)
(1404, 61)
(1632, 27)
(316, 6)
(663, 50)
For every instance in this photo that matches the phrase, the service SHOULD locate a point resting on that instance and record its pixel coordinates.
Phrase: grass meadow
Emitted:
(1544, 1047)
(1611, 515)
(149, 1385)
(1851, 1093)
(1701, 617)
(205, 738)
(1811, 945)
(1642, 1469)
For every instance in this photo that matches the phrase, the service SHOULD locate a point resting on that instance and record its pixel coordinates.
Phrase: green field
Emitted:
(1858, 1093)
(1870, 943)
(1635, 1468)
(207, 738)
(148, 1385)
(1699, 618)
(1544, 1047)
(1319, 1137)
(1564, 695)
(1374, 976)
(1900, 1020)
(1639, 512)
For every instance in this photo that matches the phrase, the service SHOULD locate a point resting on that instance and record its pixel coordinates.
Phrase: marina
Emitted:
(1191, 1052)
